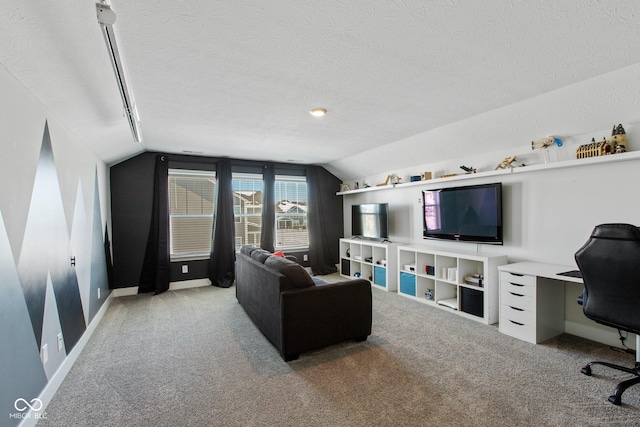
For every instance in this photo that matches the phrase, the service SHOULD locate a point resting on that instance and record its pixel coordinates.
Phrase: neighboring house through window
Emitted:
(247, 208)
(191, 208)
(291, 212)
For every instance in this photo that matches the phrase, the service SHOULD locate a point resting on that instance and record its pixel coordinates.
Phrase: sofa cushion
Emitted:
(294, 272)
(247, 249)
(260, 255)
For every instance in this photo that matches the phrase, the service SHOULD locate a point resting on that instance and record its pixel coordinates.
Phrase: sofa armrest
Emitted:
(327, 314)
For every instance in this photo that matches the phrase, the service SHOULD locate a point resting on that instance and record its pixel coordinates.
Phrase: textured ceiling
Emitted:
(237, 78)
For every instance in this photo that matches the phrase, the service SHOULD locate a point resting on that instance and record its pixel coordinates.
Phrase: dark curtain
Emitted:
(268, 208)
(223, 252)
(155, 269)
(324, 218)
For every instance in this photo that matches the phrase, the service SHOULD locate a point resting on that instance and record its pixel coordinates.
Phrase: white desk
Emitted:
(532, 300)
(549, 271)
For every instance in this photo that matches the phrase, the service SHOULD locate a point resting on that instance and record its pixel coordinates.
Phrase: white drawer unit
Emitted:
(531, 307)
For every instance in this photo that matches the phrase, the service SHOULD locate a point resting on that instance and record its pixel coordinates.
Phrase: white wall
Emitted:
(549, 212)
(548, 215)
(22, 119)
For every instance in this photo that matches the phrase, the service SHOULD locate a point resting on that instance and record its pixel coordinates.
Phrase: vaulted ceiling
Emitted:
(237, 78)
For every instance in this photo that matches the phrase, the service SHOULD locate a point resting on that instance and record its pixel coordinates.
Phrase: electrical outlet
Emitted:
(44, 354)
(60, 342)
(185, 268)
(98, 293)
(305, 257)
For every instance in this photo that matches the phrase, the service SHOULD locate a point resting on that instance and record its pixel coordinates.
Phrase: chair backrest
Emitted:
(610, 266)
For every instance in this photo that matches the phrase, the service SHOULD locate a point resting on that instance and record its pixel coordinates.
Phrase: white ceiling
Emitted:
(237, 78)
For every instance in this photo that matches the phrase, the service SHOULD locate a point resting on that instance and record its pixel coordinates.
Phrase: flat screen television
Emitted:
(370, 221)
(467, 214)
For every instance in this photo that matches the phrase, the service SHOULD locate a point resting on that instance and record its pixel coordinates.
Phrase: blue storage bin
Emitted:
(408, 283)
(380, 276)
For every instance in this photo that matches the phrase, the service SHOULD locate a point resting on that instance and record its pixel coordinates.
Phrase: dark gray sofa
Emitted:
(294, 312)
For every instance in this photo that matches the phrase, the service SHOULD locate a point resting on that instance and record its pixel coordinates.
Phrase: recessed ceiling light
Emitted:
(318, 112)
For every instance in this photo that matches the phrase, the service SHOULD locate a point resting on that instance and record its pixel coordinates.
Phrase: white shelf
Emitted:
(365, 257)
(622, 157)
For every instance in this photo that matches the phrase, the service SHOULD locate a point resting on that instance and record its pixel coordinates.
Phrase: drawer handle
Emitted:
(516, 323)
(516, 308)
(516, 284)
(516, 274)
(516, 295)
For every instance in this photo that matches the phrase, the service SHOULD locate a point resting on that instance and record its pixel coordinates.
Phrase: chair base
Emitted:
(616, 397)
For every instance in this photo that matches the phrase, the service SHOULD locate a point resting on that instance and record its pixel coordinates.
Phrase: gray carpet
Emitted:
(193, 358)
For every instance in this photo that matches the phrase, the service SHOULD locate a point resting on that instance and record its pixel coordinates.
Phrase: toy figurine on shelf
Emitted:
(506, 163)
(468, 169)
(618, 144)
(386, 181)
(619, 139)
(593, 149)
(545, 143)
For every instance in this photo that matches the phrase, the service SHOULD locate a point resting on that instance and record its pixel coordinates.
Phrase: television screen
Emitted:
(370, 220)
(468, 214)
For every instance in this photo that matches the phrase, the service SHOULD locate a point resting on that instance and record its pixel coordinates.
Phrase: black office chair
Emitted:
(610, 266)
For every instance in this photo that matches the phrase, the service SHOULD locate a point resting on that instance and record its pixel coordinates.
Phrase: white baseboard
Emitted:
(604, 335)
(186, 284)
(57, 378)
(125, 292)
(173, 286)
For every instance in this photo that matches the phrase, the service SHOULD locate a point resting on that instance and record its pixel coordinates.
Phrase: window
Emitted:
(191, 203)
(247, 208)
(291, 212)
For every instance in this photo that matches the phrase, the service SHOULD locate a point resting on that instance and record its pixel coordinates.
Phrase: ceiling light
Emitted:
(318, 112)
(106, 19)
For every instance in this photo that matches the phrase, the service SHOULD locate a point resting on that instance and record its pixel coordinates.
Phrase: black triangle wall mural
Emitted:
(99, 279)
(107, 255)
(46, 251)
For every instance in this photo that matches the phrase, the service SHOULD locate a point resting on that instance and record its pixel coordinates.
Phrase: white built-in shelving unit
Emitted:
(446, 280)
(371, 260)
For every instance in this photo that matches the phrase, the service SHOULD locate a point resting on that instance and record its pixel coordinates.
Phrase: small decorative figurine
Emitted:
(619, 139)
(468, 169)
(618, 144)
(386, 182)
(425, 176)
(545, 143)
(506, 163)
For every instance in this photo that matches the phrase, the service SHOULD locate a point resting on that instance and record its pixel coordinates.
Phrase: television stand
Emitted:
(372, 260)
(466, 282)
